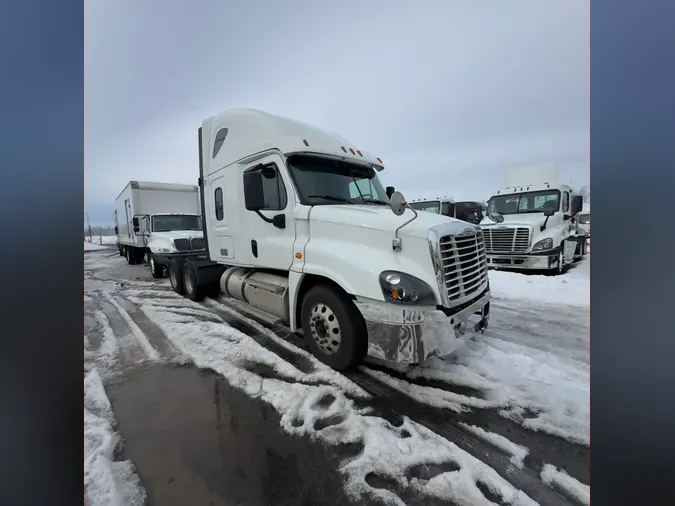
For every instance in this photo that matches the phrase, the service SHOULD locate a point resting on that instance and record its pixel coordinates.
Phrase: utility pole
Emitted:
(88, 226)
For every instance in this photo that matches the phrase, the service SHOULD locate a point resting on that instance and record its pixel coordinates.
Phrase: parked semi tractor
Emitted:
(158, 221)
(530, 222)
(469, 211)
(584, 220)
(299, 228)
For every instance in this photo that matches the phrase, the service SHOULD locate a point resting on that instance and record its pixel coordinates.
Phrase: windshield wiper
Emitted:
(375, 201)
(331, 197)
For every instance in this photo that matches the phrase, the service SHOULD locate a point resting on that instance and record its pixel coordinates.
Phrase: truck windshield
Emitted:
(529, 202)
(170, 222)
(431, 206)
(327, 181)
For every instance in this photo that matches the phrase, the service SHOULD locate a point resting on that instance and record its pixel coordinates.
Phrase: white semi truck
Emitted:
(470, 211)
(157, 221)
(584, 220)
(299, 227)
(530, 222)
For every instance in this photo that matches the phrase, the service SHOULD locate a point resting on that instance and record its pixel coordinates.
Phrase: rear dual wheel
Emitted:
(183, 278)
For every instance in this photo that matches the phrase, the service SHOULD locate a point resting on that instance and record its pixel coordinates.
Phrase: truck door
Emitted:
(271, 247)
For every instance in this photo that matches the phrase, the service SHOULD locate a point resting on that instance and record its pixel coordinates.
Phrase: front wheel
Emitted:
(560, 268)
(333, 327)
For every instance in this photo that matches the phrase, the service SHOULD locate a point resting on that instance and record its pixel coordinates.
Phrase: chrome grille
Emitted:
(464, 265)
(194, 244)
(507, 240)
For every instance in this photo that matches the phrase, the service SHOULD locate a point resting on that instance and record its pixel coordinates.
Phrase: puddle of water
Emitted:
(195, 440)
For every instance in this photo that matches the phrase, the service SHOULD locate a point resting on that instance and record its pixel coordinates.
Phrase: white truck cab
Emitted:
(158, 221)
(530, 222)
(584, 220)
(299, 227)
(469, 211)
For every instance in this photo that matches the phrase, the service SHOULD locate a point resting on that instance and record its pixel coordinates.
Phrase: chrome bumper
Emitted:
(406, 334)
(523, 261)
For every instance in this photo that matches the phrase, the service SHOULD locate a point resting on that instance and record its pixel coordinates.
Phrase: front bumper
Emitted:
(538, 261)
(165, 258)
(406, 334)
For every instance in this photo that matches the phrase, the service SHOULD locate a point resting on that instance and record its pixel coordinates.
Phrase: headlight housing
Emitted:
(400, 288)
(544, 244)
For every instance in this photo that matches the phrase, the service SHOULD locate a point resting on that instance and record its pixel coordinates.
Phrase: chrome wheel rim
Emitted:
(189, 283)
(172, 276)
(325, 328)
(560, 261)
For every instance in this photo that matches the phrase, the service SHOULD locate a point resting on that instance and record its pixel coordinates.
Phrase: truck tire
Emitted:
(120, 248)
(176, 275)
(334, 329)
(156, 269)
(560, 268)
(129, 255)
(193, 291)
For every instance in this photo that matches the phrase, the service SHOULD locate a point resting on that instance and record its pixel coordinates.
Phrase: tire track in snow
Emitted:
(130, 352)
(135, 329)
(434, 419)
(391, 404)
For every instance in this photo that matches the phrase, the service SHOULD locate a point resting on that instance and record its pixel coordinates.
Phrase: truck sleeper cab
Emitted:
(299, 227)
(530, 222)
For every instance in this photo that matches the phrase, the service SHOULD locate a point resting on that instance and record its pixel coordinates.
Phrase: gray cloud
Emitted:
(449, 94)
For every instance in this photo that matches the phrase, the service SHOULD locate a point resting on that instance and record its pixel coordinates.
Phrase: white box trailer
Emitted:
(156, 220)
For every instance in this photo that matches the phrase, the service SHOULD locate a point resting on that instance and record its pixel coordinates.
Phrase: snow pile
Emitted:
(517, 452)
(571, 288)
(542, 391)
(319, 404)
(564, 482)
(106, 482)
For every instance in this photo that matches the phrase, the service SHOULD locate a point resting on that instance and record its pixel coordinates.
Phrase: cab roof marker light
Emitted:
(379, 159)
(343, 149)
(359, 152)
(351, 150)
(305, 142)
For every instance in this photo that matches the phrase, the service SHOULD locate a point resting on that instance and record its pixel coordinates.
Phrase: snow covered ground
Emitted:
(107, 482)
(530, 369)
(572, 288)
(107, 242)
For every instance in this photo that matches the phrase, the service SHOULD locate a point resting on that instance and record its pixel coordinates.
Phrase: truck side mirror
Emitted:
(577, 204)
(549, 212)
(137, 225)
(254, 197)
(116, 230)
(390, 191)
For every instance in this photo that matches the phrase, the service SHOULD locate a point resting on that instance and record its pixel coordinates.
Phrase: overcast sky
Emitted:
(449, 94)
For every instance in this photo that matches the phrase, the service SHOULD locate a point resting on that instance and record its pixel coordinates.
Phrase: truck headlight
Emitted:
(544, 244)
(401, 288)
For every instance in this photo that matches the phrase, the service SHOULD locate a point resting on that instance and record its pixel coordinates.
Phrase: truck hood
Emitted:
(523, 220)
(178, 234)
(381, 218)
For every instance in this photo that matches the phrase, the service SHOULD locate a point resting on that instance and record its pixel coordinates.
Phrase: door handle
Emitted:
(254, 248)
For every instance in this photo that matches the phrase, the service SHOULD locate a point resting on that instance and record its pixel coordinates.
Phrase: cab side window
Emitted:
(274, 190)
(566, 201)
(218, 201)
